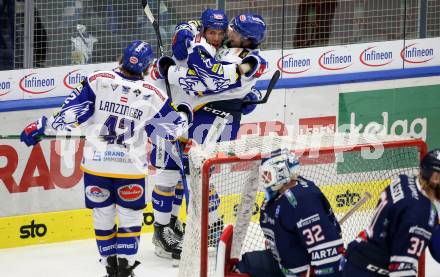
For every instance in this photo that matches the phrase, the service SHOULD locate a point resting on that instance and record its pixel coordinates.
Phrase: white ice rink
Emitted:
(80, 259)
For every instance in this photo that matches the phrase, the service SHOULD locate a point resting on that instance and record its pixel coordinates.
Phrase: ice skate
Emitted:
(166, 243)
(177, 226)
(124, 269)
(111, 267)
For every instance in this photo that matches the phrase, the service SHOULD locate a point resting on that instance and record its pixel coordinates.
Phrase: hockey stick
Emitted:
(45, 137)
(270, 87)
(365, 198)
(153, 21)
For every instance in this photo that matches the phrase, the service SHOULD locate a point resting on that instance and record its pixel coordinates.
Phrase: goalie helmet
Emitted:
(249, 26)
(137, 57)
(214, 19)
(430, 163)
(277, 171)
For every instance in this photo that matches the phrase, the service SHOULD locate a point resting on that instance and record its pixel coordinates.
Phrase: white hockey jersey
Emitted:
(113, 112)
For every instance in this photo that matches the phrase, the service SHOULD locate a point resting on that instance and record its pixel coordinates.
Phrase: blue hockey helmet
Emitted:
(137, 56)
(214, 19)
(250, 26)
(278, 170)
(430, 163)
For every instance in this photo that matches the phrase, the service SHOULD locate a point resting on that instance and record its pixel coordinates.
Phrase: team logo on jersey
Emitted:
(146, 96)
(68, 116)
(114, 86)
(97, 194)
(137, 92)
(130, 193)
(125, 89)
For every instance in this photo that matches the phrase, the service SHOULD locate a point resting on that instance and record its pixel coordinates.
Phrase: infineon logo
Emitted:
(374, 57)
(291, 65)
(413, 54)
(5, 87)
(73, 78)
(334, 61)
(34, 84)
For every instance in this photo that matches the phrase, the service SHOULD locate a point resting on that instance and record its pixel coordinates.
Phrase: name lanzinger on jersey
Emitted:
(120, 109)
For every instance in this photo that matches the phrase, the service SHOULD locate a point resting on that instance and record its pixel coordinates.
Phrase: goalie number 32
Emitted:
(313, 234)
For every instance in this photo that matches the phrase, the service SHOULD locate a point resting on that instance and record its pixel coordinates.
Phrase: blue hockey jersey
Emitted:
(399, 231)
(302, 231)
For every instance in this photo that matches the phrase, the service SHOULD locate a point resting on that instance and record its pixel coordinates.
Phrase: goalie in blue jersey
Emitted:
(405, 218)
(302, 233)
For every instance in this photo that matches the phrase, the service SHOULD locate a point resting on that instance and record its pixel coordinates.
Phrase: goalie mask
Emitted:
(277, 171)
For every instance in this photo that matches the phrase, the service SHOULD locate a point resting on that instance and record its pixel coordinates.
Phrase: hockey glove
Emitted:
(31, 134)
(161, 67)
(181, 41)
(253, 95)
(257, 65)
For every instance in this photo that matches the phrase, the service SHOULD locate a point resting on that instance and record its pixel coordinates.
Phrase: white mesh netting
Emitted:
(337, 164)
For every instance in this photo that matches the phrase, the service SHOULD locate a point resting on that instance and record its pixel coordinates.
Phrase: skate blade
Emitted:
(160, 252)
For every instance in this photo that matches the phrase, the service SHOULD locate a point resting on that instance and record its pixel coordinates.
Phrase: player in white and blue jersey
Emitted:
(214, 88)
(114, 108)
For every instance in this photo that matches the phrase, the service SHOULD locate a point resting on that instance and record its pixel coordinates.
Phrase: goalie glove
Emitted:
(31, 134)
(253, 65)
(181, 41)
(253, 95)
(161, 67)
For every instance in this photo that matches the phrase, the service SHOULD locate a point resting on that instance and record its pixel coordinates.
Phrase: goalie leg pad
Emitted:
(259, 264)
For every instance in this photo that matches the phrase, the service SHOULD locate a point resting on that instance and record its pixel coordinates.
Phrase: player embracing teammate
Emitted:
(213, 79)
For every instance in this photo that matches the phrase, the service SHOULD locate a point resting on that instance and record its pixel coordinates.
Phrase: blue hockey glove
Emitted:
(162, 65)
(257, 63)
(253, 95)
(33, 131)
(181, 41)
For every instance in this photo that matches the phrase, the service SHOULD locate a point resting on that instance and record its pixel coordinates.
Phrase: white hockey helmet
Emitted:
(278, 170)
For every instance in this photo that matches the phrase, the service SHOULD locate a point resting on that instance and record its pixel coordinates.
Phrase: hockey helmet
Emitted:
(250, 26)
(137, 56)
(430, 163)
(214, 19)
(277, 170)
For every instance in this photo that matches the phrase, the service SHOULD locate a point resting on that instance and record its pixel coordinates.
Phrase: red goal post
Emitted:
(343, 167)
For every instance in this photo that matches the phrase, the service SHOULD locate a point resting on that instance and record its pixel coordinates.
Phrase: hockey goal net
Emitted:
(344, 168)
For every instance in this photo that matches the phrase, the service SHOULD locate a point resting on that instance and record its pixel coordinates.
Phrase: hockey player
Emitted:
(167, 197)
(401, 227)
(115, 107)
(302, 233)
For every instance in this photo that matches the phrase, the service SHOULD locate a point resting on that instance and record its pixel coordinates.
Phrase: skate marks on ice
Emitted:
(77, 258)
